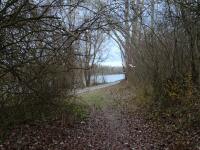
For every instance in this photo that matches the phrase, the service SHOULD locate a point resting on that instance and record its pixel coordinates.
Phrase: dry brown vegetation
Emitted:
(115, 121)
(160, 46)
(50, 48)
(45, 46)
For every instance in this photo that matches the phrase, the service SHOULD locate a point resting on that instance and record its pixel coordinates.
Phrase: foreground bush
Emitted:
(177, 101)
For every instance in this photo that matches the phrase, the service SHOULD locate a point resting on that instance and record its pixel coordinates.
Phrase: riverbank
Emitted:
(107, 78)
(96, 87)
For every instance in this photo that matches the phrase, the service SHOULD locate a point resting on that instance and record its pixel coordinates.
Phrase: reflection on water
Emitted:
(107, 78)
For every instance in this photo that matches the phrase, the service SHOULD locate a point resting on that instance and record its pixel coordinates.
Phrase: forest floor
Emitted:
(112, 124)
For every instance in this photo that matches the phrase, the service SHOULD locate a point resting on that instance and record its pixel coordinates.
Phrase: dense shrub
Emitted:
(163, 62)
(36, 61)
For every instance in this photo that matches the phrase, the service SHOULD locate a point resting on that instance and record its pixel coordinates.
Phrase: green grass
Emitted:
(77, 110)
(79, 107)
(97, 98)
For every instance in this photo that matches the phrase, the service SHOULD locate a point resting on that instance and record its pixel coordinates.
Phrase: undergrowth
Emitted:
(68, 111)
(177, 102)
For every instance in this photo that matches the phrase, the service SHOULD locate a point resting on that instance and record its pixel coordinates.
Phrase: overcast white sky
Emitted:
(114, 56)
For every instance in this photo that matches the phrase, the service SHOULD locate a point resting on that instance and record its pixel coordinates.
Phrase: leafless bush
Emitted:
(39, 57)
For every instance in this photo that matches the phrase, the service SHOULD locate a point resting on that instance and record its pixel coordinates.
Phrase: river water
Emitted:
(108, 78)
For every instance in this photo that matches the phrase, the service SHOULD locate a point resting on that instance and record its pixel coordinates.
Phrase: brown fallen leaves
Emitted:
(110, 128)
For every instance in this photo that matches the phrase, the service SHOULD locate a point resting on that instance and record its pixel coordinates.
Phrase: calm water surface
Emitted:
(109, 78)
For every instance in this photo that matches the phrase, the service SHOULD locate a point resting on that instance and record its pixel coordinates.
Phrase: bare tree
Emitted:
(39, 54)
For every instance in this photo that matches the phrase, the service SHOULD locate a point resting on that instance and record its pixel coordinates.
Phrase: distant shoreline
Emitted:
(107, 74)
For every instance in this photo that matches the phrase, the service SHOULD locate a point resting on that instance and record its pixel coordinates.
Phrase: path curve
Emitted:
(92, 88)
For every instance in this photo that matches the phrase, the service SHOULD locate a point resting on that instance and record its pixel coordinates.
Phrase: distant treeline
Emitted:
(104, 70)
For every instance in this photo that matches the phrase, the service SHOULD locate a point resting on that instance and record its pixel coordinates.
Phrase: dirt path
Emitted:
(108, 131)
(110, 126)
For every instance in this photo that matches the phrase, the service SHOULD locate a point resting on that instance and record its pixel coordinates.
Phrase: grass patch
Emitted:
(143, 97)
(97, 98)
(77, 111)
